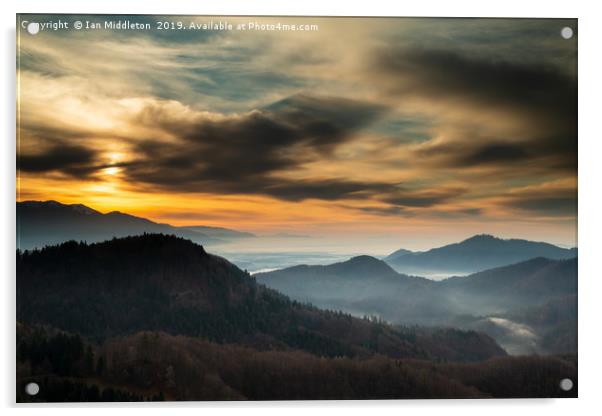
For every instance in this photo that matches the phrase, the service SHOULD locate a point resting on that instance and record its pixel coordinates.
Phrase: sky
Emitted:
(415, 131)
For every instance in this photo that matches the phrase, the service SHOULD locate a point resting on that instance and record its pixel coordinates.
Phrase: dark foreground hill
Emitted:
(158, 366)
(477, 253)
(165, 283)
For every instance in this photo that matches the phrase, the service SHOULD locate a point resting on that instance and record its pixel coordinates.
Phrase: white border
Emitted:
(590, 207)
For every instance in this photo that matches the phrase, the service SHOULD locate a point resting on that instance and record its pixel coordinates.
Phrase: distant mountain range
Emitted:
(41, 223)
(367, 286)
(477, 253)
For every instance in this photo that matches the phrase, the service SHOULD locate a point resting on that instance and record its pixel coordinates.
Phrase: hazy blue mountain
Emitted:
(41, 223)
(267, 261)
(362, 285)
(367, 286)
(477, 253)
(533, 281)
(396, 254)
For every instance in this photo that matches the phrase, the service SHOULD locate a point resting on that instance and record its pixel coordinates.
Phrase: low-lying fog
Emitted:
(267, 253)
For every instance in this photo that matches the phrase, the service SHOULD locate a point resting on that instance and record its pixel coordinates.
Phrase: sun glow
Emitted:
(111, 171)
(115, 157)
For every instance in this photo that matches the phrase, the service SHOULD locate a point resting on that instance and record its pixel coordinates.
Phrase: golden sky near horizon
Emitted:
(417, 127)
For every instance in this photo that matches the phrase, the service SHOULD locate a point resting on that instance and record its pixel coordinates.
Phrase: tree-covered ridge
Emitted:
(66, 368)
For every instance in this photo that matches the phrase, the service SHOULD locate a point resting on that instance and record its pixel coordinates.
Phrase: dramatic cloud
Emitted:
(70, 159)
(424, 198)
(535, 103)
(548, 199)
(245, 153)
(447, 74)
(494, 153)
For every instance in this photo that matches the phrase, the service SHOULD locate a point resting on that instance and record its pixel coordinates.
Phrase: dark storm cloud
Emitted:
(495, 152)
(423, 198)
(470, 211)
(73, 160)
(331, 189)
(437, 73)
(554, 205)
(545, 201)
(543, 96)
(389, 211)
(245, 154)
(549, 154)
(476, 151)
(400, 211)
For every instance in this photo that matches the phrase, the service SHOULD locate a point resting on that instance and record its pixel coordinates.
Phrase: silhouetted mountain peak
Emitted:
(359, 266)
(79, 208)
(362, 265)
(364, 260)
(41, 223)
(32, 203)
(159, 248)
(481, 238)
(82, 209)
(128, 217)
(398, 253)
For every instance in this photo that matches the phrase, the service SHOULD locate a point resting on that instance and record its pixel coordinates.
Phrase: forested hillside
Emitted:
(158, 366)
